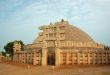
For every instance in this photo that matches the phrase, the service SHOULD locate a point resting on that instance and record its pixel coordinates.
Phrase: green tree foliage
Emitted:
(9, 47)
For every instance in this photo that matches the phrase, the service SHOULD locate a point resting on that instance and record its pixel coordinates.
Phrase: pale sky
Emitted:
(20, 19)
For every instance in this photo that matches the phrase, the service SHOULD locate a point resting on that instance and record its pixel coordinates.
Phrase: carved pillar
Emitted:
(88, 55)
(44, 56)
(67, 58)
(34, 58)
(93, 58)
(78, 58)
(103, 58)
(106, 58)
(57, 56)
(83, 56)
(98, 58)
(72, 58)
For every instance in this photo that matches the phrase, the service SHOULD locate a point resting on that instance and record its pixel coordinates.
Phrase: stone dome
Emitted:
(77, 35)
(71, 33)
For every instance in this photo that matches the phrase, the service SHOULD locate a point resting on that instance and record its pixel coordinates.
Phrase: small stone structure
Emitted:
(61, 44)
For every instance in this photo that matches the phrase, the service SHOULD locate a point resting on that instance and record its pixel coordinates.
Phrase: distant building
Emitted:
(61, 44)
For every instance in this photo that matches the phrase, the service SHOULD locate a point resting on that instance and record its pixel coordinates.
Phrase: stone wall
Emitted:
(84, 57)
(27, 57)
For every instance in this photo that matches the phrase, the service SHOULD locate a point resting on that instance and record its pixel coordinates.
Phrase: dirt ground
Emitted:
(21, 69)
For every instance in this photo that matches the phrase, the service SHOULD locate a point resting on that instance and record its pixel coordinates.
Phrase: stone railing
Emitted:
(36, 45)
(73, 44)
(64, 44)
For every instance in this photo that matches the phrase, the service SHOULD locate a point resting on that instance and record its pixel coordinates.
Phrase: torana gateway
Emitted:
(61, 44)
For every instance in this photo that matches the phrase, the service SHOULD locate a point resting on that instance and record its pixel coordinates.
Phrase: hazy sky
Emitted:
(20, 19)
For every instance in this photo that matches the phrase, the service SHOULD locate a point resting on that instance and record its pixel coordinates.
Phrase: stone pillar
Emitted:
(67, 58)
(78, 58)
(44, 56)
(34, 59)
(88, 55)
(98, 58)
(92, 58)
(83, 56)
(72, 58)
(57, 57)
(106, 58)
(103, 58)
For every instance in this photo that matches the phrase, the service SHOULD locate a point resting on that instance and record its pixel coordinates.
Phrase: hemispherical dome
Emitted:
(75, 34)
(70, 33)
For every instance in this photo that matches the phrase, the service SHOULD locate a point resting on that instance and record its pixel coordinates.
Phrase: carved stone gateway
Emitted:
(62, 44)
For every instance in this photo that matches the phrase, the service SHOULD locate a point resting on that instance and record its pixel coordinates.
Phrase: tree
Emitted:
(9, 47)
